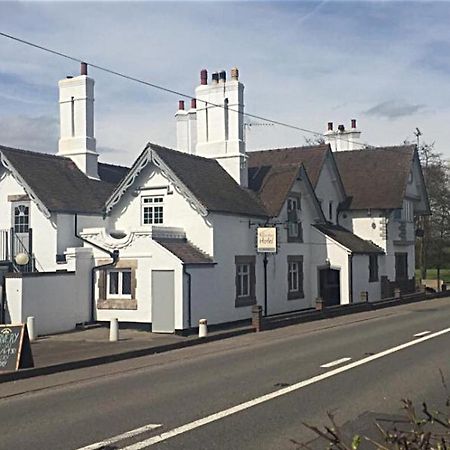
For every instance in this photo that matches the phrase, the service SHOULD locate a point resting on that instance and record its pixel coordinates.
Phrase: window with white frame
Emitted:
(295, 277)
(245, 280)
(152, 210)
(21, 218)
(295, 231)
(119, 283)
(408, 212)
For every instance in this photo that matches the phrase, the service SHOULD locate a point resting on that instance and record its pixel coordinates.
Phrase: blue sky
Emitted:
(386, 64)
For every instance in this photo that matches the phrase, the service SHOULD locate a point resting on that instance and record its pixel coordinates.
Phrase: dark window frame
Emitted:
(373, 268)
(299, 293)
(299, 236)
(249, 299)
(401, 266)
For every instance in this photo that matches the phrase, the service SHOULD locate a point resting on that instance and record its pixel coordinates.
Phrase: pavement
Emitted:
(90, 346)
(252, 391)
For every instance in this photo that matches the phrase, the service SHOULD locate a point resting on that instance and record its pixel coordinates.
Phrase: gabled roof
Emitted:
(375, 178)
(272, 173)
(185, 251)
(349, 240)
(312, 157)
(58, 184)
(204, 178)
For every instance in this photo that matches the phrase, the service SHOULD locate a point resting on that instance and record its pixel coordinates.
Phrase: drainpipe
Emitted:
(115, 257)
(189, 295)
(350, 277)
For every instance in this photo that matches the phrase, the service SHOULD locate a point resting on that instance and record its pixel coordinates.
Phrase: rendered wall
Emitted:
(57, 301)
(126, 215)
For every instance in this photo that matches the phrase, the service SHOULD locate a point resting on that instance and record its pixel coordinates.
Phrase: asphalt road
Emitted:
(248, 392)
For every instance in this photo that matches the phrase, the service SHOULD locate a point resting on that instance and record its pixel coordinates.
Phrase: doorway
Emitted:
(163, 301)
(330, 286)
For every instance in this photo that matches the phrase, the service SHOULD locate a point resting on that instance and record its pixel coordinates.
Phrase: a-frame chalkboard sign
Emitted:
(15, 348)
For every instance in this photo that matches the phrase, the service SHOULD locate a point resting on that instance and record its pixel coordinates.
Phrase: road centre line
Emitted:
(423, 333)
(275, 394)
(335, 363)
(121, 437)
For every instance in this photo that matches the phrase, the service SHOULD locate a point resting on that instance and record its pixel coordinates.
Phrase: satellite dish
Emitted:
(22, 259)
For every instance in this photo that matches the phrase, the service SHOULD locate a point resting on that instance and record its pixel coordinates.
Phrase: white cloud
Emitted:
(304, 63)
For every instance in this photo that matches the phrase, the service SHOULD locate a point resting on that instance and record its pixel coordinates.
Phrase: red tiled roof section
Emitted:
(312, 157)
(185, 251)
(273, 185)
(375, 178)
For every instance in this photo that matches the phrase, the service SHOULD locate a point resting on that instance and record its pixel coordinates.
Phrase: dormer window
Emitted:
(152, 210)
(294, 227)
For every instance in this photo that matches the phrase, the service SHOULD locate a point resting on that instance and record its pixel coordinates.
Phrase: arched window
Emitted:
(21, 219)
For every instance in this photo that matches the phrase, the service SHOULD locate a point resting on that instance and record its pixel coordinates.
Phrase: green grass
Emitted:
(432, 274)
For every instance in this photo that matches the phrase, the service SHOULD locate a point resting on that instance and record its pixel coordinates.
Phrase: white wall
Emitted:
(44, 229)
(57, 300)
(361, 282)
(337, 255)
(126, 215)
(327, 189)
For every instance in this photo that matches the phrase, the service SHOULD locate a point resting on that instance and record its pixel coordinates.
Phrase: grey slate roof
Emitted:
(60, 185)
(375, 178)
(210, 183)
(349, 240)
(185, 251)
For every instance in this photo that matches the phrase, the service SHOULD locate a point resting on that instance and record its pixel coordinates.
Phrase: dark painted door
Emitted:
(330, 286)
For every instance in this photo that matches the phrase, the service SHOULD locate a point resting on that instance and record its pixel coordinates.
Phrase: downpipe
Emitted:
(114, 255)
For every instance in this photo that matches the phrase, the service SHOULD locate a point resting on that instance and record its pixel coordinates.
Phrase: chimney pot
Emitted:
(181, 104)
(215, 77)
(84, 70)
(223, 76)
(235, 73)
(204, 77)
(341, 128)
(193, 103)
(353, 123)
(330, 126)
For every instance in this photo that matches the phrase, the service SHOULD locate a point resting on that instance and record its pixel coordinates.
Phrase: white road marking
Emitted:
(335, 363)
(122, 436)
(287, 390)
(423, 333)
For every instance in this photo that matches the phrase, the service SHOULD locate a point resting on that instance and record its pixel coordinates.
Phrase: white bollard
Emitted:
(31, 328)
(202, 328)
(114, 330)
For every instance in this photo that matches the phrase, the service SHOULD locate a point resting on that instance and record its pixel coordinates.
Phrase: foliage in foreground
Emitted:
(429, 430)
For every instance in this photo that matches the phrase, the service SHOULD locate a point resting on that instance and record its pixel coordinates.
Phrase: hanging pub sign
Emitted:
(267, 239)
(15, 348)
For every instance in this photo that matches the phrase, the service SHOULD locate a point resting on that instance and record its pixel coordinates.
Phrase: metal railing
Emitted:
(11, 244)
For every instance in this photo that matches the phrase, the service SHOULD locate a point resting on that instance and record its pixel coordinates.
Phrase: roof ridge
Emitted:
(388, 147)
(113, 165)
(189, 155)
(303, 147)
(32, 152)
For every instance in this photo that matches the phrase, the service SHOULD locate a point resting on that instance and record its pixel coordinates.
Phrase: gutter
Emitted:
(115, 257)
(189, 276)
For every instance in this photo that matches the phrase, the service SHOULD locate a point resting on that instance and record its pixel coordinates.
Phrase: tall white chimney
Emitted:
(186, 127)
(220, 122)
(76, 107)
(342, 139)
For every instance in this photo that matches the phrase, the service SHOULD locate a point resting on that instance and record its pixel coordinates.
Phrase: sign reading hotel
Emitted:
(267, 239)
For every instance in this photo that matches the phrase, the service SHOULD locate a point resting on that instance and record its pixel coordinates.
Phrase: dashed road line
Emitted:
(335, 363)
(272, 395)
(121, 437)
(423, 333)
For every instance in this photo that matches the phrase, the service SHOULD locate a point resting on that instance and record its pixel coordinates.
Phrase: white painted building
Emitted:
(172, 239)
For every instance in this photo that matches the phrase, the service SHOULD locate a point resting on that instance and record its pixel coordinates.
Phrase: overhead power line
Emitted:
(168, 90)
